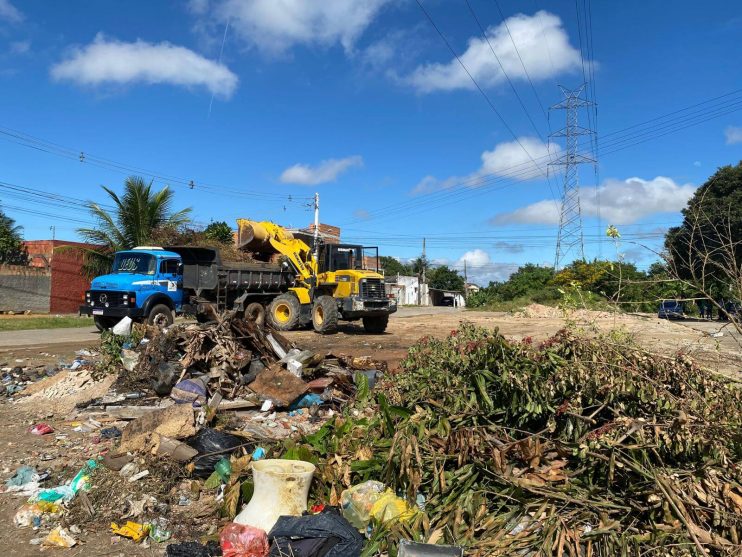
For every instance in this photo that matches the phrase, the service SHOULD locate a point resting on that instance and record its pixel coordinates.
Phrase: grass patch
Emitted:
(22, 323)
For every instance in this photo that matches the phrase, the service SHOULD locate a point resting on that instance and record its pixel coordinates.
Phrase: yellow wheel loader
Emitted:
(332, 284)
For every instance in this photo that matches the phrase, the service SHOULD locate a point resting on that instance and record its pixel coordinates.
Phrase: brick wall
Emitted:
(24, 288)
(67, 284)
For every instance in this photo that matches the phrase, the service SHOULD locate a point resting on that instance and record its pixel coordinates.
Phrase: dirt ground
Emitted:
(64, 454)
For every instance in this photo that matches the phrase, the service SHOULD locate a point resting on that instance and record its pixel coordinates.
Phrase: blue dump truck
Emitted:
(151, 285)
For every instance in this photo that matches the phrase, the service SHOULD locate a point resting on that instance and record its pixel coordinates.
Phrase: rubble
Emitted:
(477, 445)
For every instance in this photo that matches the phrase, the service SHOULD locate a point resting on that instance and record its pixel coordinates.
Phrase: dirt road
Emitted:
(723, 354)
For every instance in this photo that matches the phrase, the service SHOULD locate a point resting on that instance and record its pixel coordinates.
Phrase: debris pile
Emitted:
(573, 446)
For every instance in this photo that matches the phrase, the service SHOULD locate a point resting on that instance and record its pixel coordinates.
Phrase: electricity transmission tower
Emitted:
(569, 241)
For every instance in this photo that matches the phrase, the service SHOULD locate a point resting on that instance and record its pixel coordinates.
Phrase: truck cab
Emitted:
(145, 284)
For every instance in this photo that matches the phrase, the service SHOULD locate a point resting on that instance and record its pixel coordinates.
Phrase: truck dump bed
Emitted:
(204, 270)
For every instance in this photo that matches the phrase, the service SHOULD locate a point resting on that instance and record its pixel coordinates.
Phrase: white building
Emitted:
(409, 292)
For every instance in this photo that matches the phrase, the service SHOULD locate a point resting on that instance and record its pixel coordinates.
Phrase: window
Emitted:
(169, 267)
(135, 263)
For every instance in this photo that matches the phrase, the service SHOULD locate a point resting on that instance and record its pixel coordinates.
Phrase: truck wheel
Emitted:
(325, 315)
(284, 312)
(255, 312)
(103, 323)
(160, 316)
(375, 325)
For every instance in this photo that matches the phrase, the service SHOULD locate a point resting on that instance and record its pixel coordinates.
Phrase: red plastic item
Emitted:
(316, 509)
(42, 429)
(243, 541)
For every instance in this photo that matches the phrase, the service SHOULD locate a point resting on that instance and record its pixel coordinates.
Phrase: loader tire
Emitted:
(375, 325)
(325, 315)
(255, 312)
(284, 312)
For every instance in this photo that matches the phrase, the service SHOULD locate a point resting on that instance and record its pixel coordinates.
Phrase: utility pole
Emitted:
(466, 290)
(570, 241)
(316, 227)
(54, 232)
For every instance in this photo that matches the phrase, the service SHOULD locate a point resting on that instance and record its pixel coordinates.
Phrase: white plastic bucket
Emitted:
(281, 489)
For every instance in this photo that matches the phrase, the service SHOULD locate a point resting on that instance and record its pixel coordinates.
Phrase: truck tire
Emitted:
(103, 323)
(325, 315)
(375, 325)
(284, 312)
(160, 316)
(255, 312)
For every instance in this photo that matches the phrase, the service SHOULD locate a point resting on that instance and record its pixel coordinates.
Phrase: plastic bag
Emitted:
(30, 513)
(132, 530)
(356, 502)
(65, 493)
(129, 359)
(210, 441)
(59, 538)
(238, 540)
(390, 507)
(123, 327)
(190, 391)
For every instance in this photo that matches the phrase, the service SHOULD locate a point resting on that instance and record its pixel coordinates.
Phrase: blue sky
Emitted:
(362, 101)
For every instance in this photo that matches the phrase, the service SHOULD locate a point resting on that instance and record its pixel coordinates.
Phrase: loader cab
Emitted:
(339, 257)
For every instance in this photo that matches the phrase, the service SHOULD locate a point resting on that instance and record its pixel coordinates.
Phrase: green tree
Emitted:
(445, 278)
(219, 231)
(707, 247)
(394, 267)
(137, 214)
(12, 250)
(420, 264)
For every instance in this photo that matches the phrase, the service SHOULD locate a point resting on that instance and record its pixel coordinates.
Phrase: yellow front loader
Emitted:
(336, 285)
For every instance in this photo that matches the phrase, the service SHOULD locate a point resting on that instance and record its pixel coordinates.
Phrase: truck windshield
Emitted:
(134, 263)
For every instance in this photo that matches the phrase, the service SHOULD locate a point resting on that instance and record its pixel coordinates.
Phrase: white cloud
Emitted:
(542, 42)
(697, 164)
(619, 201)
(326, 171)
(481, 269)
(275, 26)
(111, 61)
(361, 214)
(9, 12)
(733, 135)
(511, 159)
(20, 47)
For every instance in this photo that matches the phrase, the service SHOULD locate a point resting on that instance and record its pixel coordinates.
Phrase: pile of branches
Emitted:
(575, 446)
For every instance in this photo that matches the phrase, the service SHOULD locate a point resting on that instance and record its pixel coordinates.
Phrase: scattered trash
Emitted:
(123, 327)
(190, 391)
(278, 385)
(325, 534)
(132, 530)
(31, 513)
(211, 445)
(59, 537)
(23, 475)
(129, 359)
(357, 501)
(258, 454)
(65, 493)
(110, 433)
(238, 540)
(159, 531)
(42, 429)
(281, 489)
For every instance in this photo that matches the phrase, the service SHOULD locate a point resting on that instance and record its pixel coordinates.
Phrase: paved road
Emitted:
(44, 337)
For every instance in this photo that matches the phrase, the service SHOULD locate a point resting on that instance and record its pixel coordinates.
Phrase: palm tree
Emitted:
(138, 212)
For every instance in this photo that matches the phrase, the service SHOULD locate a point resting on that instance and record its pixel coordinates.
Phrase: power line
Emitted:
(486, 182)
(474, 81)
(502, 68)
(507, 28)
(82, 156)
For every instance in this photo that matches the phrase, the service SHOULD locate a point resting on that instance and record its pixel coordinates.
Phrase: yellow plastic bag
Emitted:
(390, 507)
(132, 530)
(59, 538)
